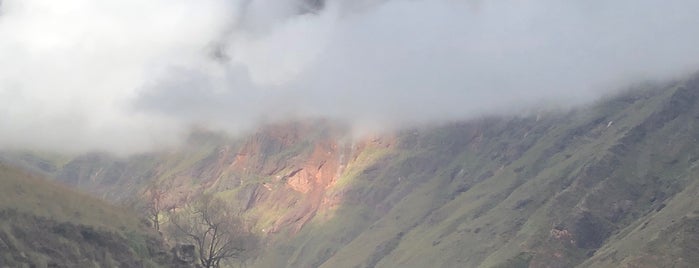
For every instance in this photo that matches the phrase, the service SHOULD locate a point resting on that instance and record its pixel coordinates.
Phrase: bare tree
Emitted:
(216, 231)
(155, 194)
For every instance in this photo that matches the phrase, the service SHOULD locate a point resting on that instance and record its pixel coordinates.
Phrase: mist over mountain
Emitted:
(334, 133)
(130, 76)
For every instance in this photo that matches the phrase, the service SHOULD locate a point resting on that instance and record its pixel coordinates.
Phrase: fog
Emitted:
(129, 76)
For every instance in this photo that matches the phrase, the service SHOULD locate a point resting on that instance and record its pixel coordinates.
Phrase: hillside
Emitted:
(612, 184)
(43, 224)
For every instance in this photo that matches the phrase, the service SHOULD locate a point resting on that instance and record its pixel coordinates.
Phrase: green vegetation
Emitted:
(28, 193)
(45, 224)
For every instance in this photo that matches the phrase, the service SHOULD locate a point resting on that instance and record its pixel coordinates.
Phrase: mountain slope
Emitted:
(550, 196)
(607, 185)
(45, 224)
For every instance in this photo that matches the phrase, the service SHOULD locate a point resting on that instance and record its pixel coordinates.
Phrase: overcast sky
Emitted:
(128, 75)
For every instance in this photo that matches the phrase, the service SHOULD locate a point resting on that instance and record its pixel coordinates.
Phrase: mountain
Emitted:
(44, 224)
(611, 184)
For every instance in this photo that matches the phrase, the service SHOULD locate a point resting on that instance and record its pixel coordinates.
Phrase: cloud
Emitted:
(69, 68)
(417, 61)
(121, 75)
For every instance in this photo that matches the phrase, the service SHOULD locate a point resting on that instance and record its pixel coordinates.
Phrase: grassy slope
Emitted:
(43, 223)
(28, 193)
(497, 199)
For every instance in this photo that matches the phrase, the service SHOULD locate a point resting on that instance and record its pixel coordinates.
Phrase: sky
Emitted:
(130, 76)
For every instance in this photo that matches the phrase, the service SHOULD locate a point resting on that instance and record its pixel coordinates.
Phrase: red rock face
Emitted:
(285, 172)
(314, 176)
(303, 162)
(288, 168)
(318, 171)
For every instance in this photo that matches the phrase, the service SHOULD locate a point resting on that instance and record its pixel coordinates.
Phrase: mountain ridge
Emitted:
(551, 190)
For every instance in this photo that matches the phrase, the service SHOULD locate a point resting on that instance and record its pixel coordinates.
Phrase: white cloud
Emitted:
(69, 68)
(119, 75)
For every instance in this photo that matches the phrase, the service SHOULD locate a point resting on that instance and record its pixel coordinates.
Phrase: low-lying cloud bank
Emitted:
(129, 75)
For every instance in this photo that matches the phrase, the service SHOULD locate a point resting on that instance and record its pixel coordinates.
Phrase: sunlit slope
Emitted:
(43, 223)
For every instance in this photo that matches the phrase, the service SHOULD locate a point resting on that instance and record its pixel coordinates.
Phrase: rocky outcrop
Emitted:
(184, 255)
